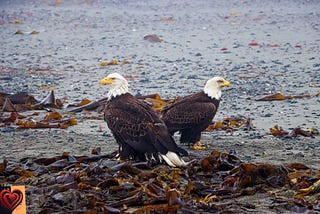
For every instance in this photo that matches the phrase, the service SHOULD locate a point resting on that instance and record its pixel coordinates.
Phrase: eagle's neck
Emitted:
(117, 91)
(212, 91)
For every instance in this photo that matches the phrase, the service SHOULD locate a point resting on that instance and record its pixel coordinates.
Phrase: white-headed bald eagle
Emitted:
(138, 130)
(193, 113)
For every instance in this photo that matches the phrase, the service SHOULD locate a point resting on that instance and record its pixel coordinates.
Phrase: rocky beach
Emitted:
(260, 47)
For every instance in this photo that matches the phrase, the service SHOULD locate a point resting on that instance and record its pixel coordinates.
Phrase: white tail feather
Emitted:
(167, 160)
(172, 159)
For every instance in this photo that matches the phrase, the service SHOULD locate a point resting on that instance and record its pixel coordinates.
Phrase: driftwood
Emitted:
(91, 106)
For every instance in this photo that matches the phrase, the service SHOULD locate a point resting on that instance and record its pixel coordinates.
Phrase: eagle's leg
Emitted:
(152, 159)
(126, 152)
(192, 138)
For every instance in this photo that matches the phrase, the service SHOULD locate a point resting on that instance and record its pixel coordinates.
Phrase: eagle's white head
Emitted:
(214, 85)
(117, 84)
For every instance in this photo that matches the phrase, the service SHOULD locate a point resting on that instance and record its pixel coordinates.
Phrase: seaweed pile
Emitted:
(100, 184)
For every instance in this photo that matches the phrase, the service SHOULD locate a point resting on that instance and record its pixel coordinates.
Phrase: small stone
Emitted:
(299, 154)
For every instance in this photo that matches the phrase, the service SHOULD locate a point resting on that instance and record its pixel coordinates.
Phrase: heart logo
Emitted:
(10, 200)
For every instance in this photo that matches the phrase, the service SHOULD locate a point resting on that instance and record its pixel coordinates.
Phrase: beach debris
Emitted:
(8, 106)
(126, 62)
(68, 183)
(253, 43)
(298, 131)
(311, 85)
(199, 146)
(153, 38)
(112, 62)
(280, 96)
(23, 102)
(232, 123)
(55, 3)
(18, 98)
(8, 119)
(84, 102)
(276, 96)
(19, 32)
(280, 132)
(103, 63)
(156, 102)
(234, 13)
(312, 131)
(49, 101)
(272, 45)
(131, 76)
(16, 21)
(167, 19)
(34, 32)
(47, 122)
(91, 106)
(3, 165)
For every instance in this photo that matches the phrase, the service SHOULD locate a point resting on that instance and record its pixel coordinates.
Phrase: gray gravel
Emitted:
(203, 39)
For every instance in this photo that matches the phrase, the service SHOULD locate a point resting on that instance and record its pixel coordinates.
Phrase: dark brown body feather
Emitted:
(137, 128)
(190, 115)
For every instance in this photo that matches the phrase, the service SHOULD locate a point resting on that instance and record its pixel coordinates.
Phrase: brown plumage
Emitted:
(192, 114)
(138, 130)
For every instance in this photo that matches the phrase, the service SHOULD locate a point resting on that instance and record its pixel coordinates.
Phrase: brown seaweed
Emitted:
(97, 184)
(280, 132)
(280, 96)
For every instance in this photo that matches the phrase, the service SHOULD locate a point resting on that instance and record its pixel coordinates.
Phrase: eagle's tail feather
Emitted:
(173, 159)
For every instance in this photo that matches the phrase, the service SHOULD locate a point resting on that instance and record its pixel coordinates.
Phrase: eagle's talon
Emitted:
(199, 146)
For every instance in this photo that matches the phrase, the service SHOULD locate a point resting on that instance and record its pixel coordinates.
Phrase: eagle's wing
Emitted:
(137, 125)
(159, 133)
(187, 114)
(130, 124)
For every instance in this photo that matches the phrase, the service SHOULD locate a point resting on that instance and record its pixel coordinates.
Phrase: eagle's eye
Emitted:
(220, 81)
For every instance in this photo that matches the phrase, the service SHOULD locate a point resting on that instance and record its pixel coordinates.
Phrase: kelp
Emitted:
(155, 101)
(280, 132)
(8, 119)
(232, 123)
(280, 96)
(112, 62)
(18, 98)
(32, 124)
(100, 184)
(21, 102)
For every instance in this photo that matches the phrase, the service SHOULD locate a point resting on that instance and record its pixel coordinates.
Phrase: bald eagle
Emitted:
(138, 130)
(192, 114)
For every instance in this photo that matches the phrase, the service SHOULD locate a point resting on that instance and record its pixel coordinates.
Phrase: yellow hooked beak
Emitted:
(106, 81)
(225, 83)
